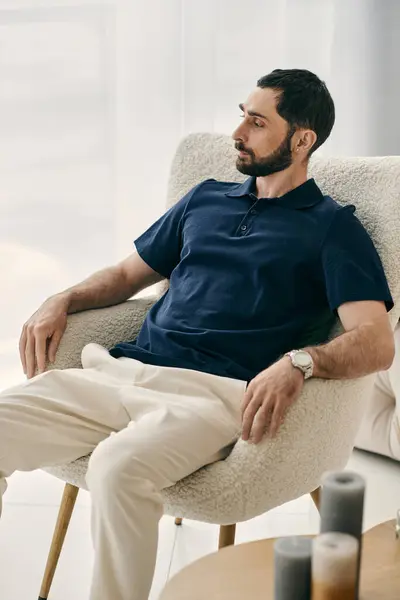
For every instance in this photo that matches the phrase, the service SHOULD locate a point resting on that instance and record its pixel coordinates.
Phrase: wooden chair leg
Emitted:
(226, 536)
(316, 497)
(178, 521)
(63, 519)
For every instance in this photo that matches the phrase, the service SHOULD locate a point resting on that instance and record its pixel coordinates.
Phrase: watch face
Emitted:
(302, 359)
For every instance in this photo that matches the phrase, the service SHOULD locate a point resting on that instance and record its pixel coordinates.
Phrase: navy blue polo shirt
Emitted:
(251, 278)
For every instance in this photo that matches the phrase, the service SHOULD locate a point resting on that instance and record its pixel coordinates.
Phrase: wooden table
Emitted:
(245, 571)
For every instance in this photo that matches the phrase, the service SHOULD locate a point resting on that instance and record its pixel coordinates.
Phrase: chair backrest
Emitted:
(371, 184)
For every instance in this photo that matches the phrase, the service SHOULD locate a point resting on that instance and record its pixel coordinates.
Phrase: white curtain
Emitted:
(95, 96)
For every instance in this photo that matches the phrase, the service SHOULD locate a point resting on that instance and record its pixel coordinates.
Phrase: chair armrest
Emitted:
(317, 436)
(105, 326)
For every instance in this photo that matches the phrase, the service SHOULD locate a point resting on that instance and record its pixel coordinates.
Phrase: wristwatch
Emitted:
(302, 360)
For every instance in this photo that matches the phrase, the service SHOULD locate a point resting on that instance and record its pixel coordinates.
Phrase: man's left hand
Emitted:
(268, 397)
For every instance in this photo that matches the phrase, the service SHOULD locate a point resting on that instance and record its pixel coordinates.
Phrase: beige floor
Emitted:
(31, 507)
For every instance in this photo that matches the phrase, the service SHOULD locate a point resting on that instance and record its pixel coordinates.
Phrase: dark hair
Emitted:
(304, 101)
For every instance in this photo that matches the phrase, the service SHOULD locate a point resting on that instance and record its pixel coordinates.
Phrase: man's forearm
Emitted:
(104, 288)
(364, 350)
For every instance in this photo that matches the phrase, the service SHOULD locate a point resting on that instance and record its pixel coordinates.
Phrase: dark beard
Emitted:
(279, 160)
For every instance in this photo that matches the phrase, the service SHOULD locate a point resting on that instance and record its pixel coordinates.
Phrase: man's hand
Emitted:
(42, 333)
(268, 397)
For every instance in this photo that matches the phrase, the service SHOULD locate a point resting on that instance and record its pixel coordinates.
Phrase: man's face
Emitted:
(263, 138)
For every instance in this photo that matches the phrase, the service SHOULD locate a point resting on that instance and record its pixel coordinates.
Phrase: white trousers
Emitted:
(146, 426)
(380, 428)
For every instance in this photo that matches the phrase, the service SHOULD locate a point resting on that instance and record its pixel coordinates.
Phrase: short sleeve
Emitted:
(160, 245)
(351, 267)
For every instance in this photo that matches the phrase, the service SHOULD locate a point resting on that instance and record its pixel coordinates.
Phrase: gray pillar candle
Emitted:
(342, 506)
(292, 568)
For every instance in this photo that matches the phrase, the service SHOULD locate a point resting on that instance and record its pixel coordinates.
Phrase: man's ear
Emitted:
(306, 141)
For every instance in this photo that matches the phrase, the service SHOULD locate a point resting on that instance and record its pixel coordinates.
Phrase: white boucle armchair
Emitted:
(320, 429)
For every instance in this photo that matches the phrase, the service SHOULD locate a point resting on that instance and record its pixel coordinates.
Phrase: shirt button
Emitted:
(243, 227)
(253, 212)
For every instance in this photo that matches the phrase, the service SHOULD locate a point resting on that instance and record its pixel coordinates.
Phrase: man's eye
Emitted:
(256, 122)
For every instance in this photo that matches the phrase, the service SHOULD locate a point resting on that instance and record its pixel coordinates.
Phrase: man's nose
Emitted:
(239, 135)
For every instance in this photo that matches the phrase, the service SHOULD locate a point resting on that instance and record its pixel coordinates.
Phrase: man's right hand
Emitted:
(42, 333)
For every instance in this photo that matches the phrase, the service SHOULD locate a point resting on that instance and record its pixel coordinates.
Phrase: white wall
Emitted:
(57, 138)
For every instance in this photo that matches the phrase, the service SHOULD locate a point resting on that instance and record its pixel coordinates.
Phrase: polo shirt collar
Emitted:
(305, 195)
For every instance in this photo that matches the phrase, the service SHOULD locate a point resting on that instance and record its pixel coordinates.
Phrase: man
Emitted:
(255, 271)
